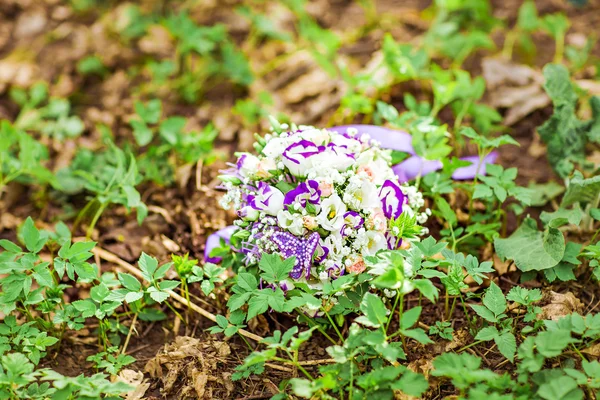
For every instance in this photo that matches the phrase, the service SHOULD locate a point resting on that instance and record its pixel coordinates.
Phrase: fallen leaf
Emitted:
(559, 305)
(135, 379)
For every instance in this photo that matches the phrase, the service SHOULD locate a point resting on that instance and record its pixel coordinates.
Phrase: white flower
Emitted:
(264, 168)
(247, 165)
(291, 222)
(361, 195)
(330, 159)
(332, 213)
(277, 145)
(335, 244)
(317, 136)
(375, 241)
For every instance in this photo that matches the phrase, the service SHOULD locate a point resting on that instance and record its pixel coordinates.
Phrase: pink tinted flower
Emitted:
(309, 222)
(357, 266)
(377, 220)
(325, 188)
(368, 171)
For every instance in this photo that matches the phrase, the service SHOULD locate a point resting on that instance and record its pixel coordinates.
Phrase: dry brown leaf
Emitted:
(312, 84)
(17, 73)
(500, 72)
(192, 368)
(515, 87)
(157, 41)
(593, 350)
(135, 379)
(501, 266)
(560, 304)
(200, 379)
(30, 23)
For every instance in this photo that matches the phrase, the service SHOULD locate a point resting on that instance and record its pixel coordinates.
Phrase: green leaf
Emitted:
(446, 211)
(482, 192)
(129, 282)
(487, 333)
(542, 193)
(148, 266)
(132, 297)
(247, 282)
(31, 236)
(274, 268)
(10, 246)
(484, 313)
(150, 112)
(256, 306)
(418, 334)
(141, 132)
(411, 383)
(171, 129)
(561, 217)
(561, 388)
(86, 307)
(157, 295)
(581, 190)
(552, 344)
(410, 317)
(507, 344)
(427, 289)
(564, 133)
(494, 299)
(531, 249)
(375, 313)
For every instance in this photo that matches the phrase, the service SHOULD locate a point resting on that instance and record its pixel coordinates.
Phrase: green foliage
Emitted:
(49, 116)
(564, 133)
(531, 249)
(111, 360)
(22, 158)
(168, 144)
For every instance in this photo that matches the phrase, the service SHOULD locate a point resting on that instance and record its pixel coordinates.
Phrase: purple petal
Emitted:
(389, 138)
(392, 199)
(214, 240)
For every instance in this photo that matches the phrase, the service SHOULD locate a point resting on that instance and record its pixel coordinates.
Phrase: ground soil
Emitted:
(184, 215)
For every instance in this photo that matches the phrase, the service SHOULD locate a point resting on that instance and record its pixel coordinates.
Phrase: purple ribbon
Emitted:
(405, 171)
(214, 241)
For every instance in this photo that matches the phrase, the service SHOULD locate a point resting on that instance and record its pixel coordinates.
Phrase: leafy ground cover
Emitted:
(116, 119)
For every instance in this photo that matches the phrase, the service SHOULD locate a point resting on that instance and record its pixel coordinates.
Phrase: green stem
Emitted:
(509, 44)
(560, 49)
(469, 346)
(334, 326)
(387, 325)
(99, 212)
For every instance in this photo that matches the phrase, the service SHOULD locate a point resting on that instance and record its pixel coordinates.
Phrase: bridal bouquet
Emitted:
(329, 198)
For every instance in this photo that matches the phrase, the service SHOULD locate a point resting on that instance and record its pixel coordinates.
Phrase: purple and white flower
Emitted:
(305, 192)
(392, 198)
(268, 199)
(298, 157)
(352, 221)
(247, 165)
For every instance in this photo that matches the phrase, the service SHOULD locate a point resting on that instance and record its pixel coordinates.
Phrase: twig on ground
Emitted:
(113, 258)
(317, 362)
(131, 328)
(279, 367)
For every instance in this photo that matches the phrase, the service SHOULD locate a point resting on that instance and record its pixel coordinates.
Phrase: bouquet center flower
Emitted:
(328, 198)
